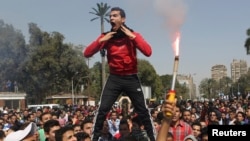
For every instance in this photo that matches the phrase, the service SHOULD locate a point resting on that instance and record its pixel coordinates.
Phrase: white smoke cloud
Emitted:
(173, 13)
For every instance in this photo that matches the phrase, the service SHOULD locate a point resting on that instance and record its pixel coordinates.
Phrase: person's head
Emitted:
(204, 134)
(65, 133)
(213, 116)
(77, 128)
(248, 113)
(223, 115)
(193, 118)
(196, 128)
(45, 117)
(54, 116)
(82, 136)
(157, 124)
(31, 117)
(117, 18)
(240, 116)
(113, 115)
(39, 112)
(154, 113)
(2, 135)
(177, 113)
(232, 114)
(137, 123)
(13, 119)
(50, 128)
(193, 110)
(105, 127)
(87, 126)
(124, 128)
(186, 115)
(190, 138)
(203, 124)
(11, 129)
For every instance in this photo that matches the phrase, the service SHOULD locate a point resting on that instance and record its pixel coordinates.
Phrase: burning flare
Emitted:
(176, 44)
(171, 93)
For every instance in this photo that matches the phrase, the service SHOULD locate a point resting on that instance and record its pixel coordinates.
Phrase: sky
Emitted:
(212, 31)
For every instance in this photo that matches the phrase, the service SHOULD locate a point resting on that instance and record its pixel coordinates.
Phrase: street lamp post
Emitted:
(72, 88)
(238, 89)
(72, 94)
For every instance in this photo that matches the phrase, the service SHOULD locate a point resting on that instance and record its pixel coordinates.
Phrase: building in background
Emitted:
(13, 100)
(187, 80)
(218, 72)
(238, 68)
(147, 91)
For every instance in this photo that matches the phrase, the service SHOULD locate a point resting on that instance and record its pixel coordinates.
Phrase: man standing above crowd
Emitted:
(121, 44)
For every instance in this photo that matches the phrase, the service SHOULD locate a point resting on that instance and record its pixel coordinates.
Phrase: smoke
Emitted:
(173, 13)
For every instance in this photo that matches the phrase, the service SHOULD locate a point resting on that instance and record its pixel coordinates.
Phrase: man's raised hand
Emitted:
(106, 37)
(127, 32)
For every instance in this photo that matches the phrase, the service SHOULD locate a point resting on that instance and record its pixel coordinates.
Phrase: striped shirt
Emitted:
(181, 130)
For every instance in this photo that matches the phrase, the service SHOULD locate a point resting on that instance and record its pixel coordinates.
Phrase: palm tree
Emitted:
(101, 12)
(247, 43)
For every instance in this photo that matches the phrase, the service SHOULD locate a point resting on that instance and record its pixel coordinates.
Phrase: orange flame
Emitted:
(176, 44)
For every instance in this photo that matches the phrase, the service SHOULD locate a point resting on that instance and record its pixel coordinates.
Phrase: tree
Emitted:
(148, 77)
(95, 79)
(208, 87)
(247, 42)
(51, 65)
(101, 12)
(180, 89)
(12, 53)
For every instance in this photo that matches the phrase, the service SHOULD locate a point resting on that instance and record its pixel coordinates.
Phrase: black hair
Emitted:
(59, 133)
(196, 124)
(85, 122)
(2, 134)
(122, 12)
(81, 136)
(124, 121)
(50, 124)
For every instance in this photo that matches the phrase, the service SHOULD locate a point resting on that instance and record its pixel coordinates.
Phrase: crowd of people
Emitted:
(189, 121)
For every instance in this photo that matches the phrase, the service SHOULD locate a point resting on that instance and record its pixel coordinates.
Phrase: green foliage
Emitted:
(101, 12)
(247, 42)
(12, 52)
(51, 65)
(148, 77)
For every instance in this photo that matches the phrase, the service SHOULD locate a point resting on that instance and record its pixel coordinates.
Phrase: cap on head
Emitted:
(21, 134)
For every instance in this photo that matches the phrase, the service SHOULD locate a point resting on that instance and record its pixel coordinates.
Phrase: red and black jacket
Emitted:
(121, 52)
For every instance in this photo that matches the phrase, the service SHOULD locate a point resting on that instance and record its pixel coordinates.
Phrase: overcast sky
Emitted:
(212, 31)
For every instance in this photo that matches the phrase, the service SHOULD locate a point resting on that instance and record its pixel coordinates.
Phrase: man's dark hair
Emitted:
(196, 124)
(85, 122)
(152, 111)
(81, 136)
(124, 121)
(2, 134)
(160, 116)
(137, 120)
(204, 132)
(122, 12)
(41, 116)
(59, 133)
(50, 124)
